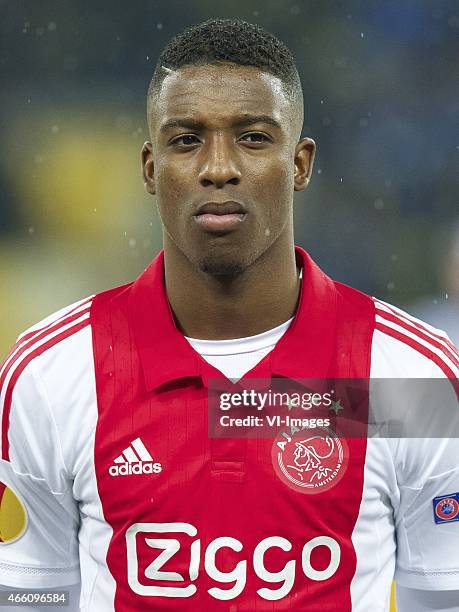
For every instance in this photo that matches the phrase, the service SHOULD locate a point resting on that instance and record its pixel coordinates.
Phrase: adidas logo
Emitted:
(135, 459)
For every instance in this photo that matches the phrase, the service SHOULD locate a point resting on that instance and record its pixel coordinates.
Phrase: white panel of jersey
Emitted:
(51, 436)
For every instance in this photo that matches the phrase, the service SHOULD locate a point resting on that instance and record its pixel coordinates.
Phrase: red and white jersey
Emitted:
(105, 443)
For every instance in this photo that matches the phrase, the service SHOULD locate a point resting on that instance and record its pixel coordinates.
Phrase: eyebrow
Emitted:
(243, 121)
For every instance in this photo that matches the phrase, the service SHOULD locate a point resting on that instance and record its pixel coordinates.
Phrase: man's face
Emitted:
(224, 160)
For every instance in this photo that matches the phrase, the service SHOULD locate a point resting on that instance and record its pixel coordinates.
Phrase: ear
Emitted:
(148, 168)
(304, 158)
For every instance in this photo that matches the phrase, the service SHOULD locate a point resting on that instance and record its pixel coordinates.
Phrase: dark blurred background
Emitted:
(381, 101)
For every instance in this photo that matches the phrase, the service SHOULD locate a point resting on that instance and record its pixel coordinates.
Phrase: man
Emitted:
(104, 429)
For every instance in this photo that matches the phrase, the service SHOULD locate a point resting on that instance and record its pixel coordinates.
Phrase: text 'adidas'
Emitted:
(135, 459)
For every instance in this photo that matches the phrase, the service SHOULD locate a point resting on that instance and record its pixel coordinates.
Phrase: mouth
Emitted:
(220, 217)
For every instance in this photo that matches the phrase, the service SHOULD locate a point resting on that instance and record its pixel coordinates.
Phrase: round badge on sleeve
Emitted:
(310, 462)
(13, 515)
(447, 509)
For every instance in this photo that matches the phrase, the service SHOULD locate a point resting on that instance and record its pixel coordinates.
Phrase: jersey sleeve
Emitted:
(38, 515)
(427, 516)
(414, 396)
(426, 601)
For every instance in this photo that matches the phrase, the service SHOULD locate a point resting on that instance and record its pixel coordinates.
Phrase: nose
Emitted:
(219, 166)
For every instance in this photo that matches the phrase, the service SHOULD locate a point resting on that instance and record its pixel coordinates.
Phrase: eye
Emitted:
(255, 138)
(185, 140)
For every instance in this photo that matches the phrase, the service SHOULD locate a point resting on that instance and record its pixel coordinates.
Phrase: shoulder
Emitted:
(49, 336)
(404, 346)
(68, 314)
(57, 347)
(48, 359)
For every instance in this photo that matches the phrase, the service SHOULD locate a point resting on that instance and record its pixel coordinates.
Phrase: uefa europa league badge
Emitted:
(310, 460)
(13, 515)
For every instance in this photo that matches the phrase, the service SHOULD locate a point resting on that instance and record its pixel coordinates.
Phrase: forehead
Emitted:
(218, 92)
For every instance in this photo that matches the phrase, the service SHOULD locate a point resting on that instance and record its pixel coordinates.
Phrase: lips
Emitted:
(224, 208)
(220, 216)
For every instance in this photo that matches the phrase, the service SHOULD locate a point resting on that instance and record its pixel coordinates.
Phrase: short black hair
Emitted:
(228, 40)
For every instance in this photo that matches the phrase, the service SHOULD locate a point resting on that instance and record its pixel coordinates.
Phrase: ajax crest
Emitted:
(310, 463)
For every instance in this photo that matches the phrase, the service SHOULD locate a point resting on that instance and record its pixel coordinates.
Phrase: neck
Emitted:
(260, 298)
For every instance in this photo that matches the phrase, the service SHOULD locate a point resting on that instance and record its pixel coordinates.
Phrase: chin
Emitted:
(223, 267)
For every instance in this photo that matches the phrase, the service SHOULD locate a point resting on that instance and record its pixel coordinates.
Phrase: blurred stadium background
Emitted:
(380, 101)
(381, 213)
